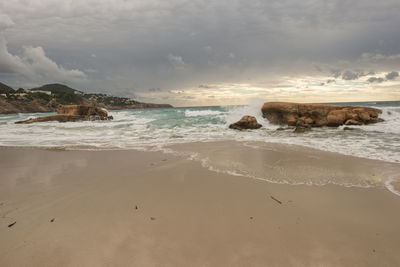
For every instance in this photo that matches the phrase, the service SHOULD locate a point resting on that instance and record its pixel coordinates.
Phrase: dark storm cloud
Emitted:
(349, 75)
(181, 43)
(353, 75)
(376, 80)
(392, 75)
(205, 86)
(336, 73)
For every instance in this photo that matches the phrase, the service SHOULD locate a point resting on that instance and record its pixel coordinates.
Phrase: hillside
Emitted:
(49, 97)
(56, 88)
(5, 89)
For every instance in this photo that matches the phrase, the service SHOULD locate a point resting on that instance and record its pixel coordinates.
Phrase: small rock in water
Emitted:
(352, 122)
(152, 218)
(246, 122)
(348, 129)
(284, 128)
(302, 129)
(52, 220)
(136, 207)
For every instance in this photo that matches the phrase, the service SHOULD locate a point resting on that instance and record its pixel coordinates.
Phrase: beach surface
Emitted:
(136, 208)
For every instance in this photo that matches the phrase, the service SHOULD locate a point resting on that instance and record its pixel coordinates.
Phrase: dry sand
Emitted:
(187, 215)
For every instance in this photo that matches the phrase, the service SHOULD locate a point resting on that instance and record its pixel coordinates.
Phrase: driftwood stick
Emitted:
(277, 200)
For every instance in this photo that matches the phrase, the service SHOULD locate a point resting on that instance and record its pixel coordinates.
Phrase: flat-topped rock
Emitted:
(81, 110)
(246, 122)
(71, 113)
(317, 115)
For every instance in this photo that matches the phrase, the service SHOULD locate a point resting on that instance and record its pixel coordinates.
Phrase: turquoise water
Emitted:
(157, 128)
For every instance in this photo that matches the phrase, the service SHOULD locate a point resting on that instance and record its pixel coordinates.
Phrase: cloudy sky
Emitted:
(200, 52)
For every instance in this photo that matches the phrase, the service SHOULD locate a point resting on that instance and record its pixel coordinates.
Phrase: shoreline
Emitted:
(390, 180)
(161, 148)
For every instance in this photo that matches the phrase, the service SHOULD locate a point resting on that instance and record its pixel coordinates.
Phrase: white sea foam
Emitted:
(196, 113)
(252, 109)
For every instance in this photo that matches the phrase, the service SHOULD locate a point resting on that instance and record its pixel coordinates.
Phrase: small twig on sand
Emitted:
(277, 200)
(12, 224)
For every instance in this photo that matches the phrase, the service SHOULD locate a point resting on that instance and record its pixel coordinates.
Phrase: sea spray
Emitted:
(253, 108)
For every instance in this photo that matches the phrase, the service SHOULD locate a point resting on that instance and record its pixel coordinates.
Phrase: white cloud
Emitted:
(33, 63)
(176, 61)
(38, 63)
(5, 22)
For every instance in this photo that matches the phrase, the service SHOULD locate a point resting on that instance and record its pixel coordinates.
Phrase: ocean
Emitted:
(158, 129)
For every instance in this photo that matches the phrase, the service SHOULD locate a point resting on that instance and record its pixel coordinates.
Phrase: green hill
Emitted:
(63, 94)
(5, 89)
(38, 100)
(56, 88)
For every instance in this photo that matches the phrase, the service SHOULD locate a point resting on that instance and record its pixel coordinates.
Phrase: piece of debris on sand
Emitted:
(277, 200)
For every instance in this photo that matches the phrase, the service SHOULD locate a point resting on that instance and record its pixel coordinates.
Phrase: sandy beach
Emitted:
(133, 208)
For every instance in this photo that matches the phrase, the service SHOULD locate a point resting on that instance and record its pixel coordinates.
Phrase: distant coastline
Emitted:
(49, 97)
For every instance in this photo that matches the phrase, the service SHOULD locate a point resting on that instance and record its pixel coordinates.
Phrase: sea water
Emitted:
(156, 129)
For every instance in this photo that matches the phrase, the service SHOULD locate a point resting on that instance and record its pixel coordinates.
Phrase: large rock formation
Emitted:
(80, 110)
(74, 113)
(246, 122)
(317, 115)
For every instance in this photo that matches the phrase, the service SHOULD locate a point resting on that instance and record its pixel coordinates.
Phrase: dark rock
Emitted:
(302, 129)
(352, 122)
(302, 126)
(247, 122)
(348, 129)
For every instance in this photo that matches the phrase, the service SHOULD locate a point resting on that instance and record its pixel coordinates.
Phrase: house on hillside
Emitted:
(44, 92)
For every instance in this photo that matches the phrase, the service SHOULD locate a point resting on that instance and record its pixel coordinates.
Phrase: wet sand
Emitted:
(131, 208)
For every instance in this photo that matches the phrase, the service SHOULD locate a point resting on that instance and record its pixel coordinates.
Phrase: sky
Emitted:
(196, 52)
